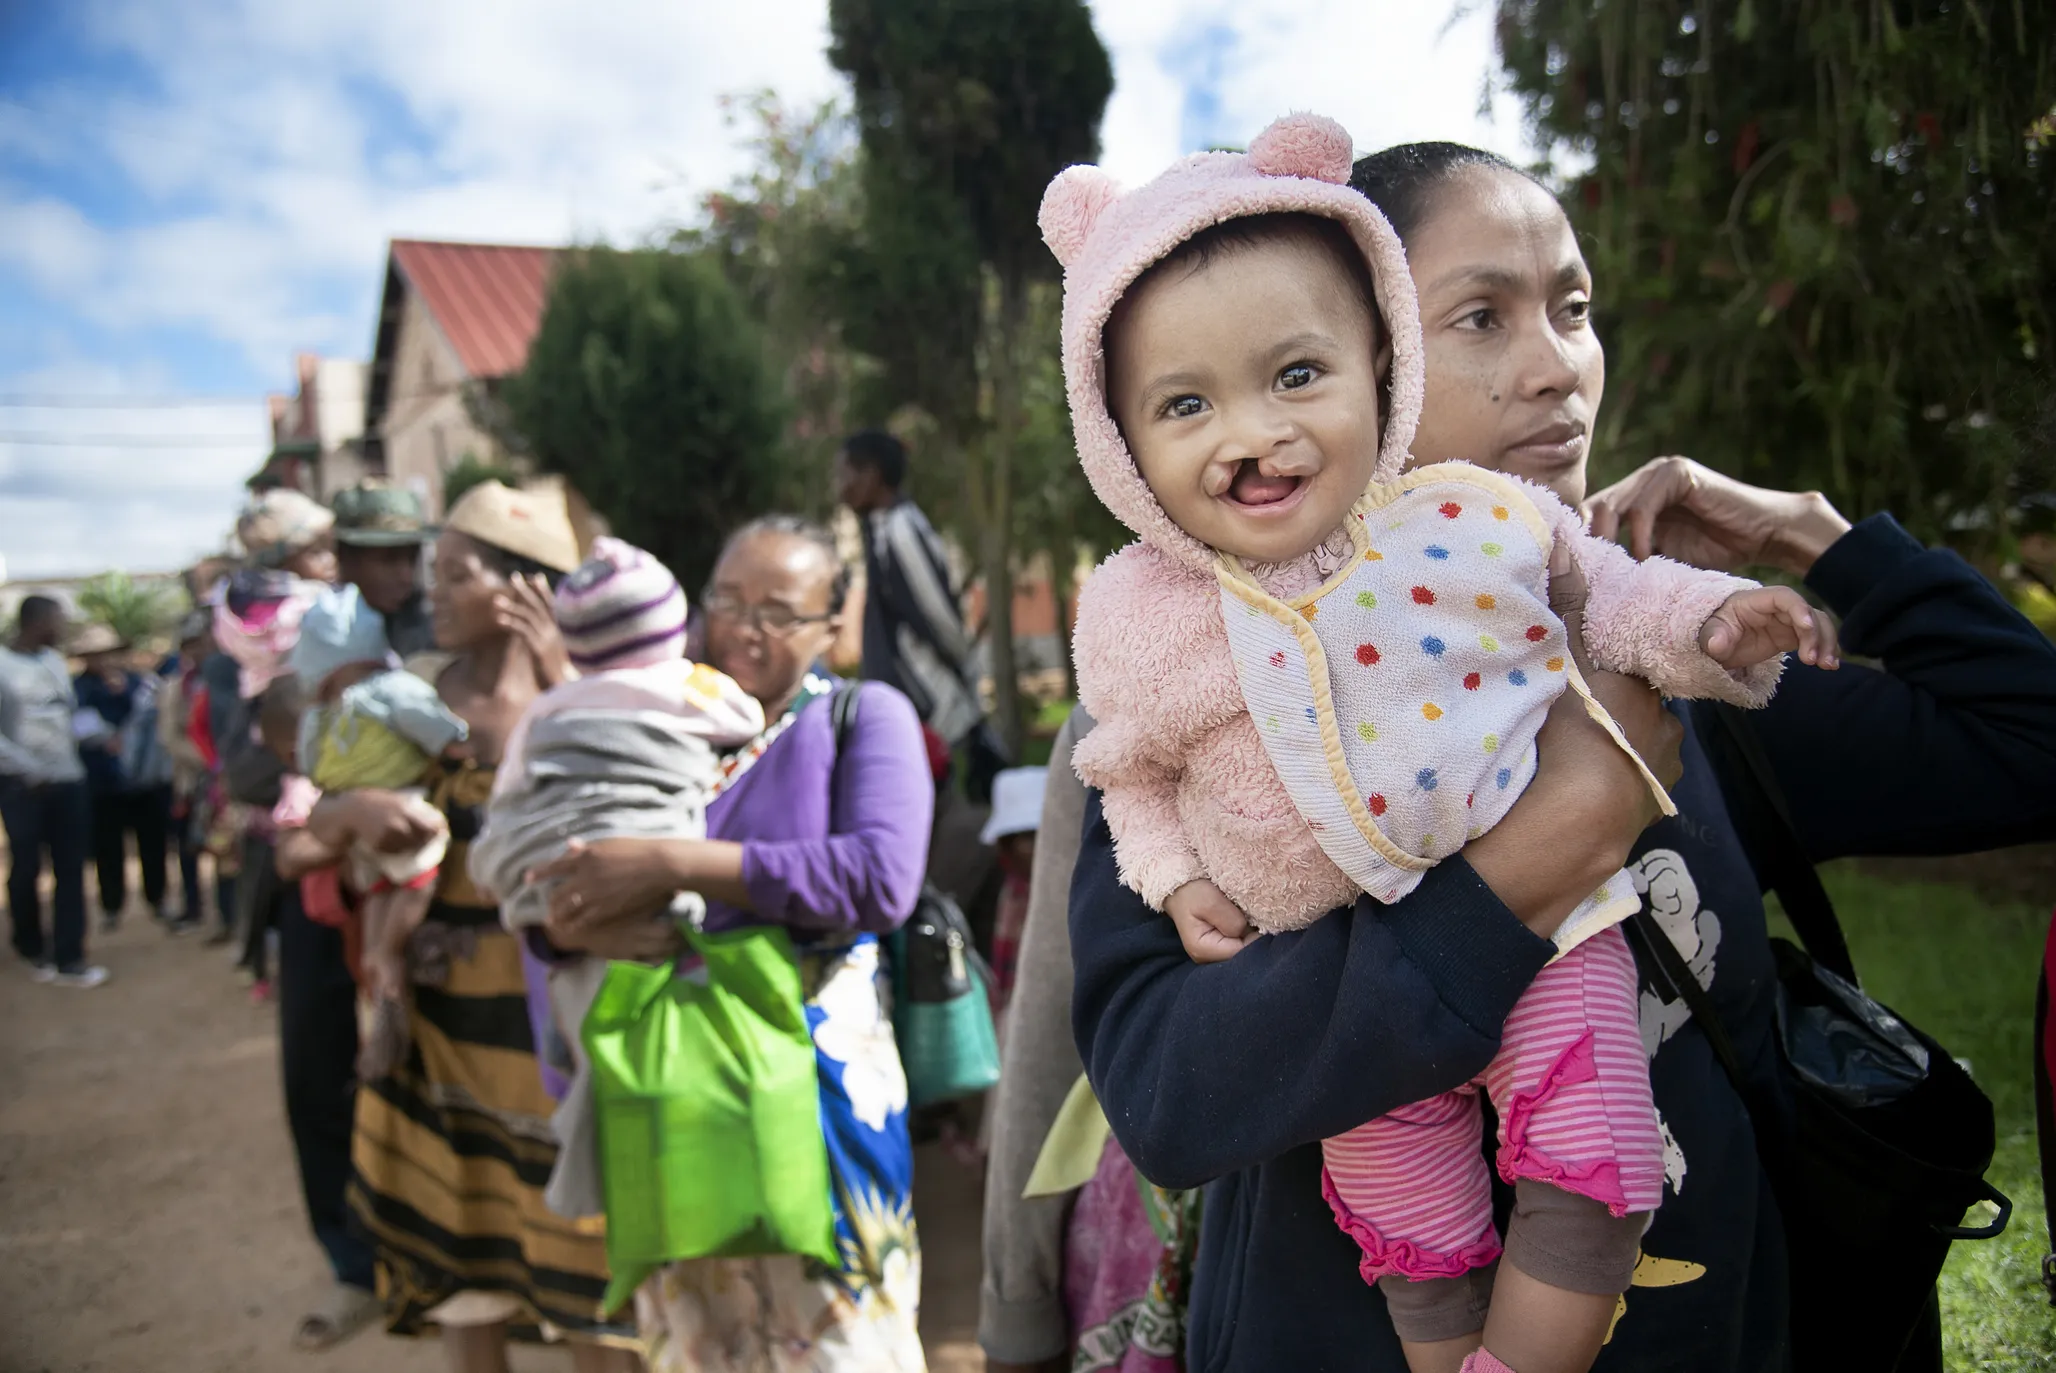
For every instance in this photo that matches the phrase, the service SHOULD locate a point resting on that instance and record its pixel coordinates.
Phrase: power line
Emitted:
(134, 440)
(27, 400)
(86, 400)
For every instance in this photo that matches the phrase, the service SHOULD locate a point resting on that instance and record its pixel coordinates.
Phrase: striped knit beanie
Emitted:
(621, 608)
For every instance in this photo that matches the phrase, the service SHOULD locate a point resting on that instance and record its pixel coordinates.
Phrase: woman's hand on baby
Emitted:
(1212, 928)
(388, 822)
(526, 611)
(609, 897)
(653, 939)
(1679, 509)
(1753, 627)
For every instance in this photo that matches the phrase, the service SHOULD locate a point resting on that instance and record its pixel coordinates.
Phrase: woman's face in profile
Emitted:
(768, 617)
(461, 603)
(1515, 372)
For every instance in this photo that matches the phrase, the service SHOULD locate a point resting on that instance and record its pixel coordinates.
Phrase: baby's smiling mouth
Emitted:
(1251, 487)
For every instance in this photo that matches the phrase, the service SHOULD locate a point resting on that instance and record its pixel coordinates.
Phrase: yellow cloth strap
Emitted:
(1070, 1153)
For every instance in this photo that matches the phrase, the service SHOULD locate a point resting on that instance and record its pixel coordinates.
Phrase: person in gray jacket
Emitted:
(43, 797)
(1022, 1323)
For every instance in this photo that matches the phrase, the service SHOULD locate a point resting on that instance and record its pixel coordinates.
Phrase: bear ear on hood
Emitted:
(1071, 206)
(1307, 145)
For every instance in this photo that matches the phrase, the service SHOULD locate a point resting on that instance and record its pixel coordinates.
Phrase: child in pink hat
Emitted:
(1322, 670)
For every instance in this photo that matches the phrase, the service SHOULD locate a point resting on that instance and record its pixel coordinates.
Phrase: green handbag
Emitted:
(941, 1014)
(707, 1104)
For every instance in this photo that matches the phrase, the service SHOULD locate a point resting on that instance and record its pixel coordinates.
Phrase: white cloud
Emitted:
(52, 243)
(272, 149)
(118, 486)
(1390, 71)
(276, 143)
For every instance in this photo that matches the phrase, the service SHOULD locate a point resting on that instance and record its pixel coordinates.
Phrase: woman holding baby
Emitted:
(1234, 1072)
(820, 824)
(453, 1145)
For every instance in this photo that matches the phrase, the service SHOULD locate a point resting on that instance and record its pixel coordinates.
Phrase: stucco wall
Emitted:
(427, 429)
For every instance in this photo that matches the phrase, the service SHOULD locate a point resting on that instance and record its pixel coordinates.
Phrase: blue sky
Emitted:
(192, 193)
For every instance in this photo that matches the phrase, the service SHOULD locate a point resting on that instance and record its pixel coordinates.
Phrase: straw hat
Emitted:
(96, 638)
(279, 523)
(531, 524)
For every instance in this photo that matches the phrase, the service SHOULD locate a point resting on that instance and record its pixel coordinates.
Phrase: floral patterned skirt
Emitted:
(786, 1314)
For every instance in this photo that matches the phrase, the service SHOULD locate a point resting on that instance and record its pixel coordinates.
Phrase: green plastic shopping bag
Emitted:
(708, 1110)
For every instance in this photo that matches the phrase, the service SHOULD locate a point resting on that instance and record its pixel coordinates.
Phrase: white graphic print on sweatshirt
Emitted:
(1666, 884)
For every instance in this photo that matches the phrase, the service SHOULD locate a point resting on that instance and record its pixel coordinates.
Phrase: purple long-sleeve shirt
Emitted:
(824, 848)
(828, 848)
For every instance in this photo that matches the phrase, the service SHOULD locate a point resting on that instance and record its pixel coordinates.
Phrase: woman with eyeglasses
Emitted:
(829, 838)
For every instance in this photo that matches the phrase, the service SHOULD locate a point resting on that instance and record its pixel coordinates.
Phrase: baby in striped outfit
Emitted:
(631, 748)
(1322, 670)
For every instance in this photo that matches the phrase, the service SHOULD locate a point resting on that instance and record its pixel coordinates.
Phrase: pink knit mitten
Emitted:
(1484, 1361)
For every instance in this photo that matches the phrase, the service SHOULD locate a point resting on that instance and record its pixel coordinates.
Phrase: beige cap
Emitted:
(279, 523)
(530, 524)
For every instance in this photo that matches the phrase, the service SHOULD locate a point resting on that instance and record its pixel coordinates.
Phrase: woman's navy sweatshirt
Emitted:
(1230, 1074)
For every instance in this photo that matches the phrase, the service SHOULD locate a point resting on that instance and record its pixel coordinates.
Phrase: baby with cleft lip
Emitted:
(1322, 670)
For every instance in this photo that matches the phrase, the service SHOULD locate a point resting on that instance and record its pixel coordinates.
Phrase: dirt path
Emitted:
(150, 1214)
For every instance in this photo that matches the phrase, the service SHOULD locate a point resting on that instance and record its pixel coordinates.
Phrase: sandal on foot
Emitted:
(343, 1312)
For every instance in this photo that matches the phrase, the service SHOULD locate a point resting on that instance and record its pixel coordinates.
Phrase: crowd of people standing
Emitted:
(425, 1174)
(96, 768)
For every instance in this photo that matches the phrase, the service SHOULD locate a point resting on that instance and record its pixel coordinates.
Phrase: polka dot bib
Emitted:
(1400, 700)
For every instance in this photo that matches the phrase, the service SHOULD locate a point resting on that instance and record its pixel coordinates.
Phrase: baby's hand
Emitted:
(1212, 928)
(1753, 627)
(385, 973)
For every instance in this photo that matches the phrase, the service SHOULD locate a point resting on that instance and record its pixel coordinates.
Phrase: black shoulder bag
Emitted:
(1883, 1142)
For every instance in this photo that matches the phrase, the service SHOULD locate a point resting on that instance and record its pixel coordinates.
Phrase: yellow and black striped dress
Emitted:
(453, 1150)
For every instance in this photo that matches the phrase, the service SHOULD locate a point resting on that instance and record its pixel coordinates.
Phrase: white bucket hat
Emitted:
(1016, 803)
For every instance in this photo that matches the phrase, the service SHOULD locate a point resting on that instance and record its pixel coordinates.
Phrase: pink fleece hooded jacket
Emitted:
(1189, 790)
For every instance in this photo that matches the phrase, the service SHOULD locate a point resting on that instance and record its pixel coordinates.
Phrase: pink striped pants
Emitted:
(1571, 1085)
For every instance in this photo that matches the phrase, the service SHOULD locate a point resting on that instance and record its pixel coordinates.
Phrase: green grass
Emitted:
(1963, 969)
(1050, 716)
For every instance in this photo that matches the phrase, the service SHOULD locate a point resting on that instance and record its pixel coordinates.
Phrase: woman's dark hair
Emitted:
(880, 452)
(796, 527)
(514, 565)
(1401, 180)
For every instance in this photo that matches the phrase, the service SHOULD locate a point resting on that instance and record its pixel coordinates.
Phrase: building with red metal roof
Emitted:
(454, 320)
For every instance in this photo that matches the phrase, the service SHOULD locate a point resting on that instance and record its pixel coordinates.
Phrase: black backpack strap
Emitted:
(1791, 872)
(1792, 877)
(1654, 947)
(2045, 1122)
(842, 718)
(842, 712)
